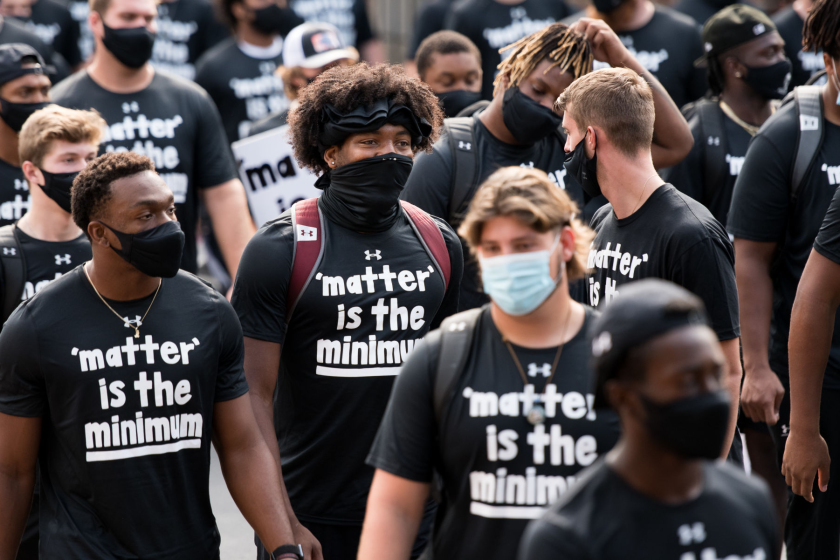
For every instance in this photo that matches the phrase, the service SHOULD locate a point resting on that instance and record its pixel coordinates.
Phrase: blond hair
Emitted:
(57, 123)
(615, 99)
(529, 196)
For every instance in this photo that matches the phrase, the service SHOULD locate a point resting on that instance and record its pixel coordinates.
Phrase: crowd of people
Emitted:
(568, 289)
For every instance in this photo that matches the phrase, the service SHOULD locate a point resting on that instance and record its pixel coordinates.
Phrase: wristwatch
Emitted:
(290, 551)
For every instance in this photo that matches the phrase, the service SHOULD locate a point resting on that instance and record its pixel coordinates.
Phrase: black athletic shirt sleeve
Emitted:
(827, 243)
(230, 379)
(214, 160)
(428, 184)
(450, 304)
(22, 386)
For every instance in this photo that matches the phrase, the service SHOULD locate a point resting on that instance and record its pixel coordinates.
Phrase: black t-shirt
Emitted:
(349, 16)
(429, 185)
(372, 299)
(762, 211)
(245, 89)
(54, 25)
(430, 20)
(805, 64)
(13, 31)
(172, 121)
(125, 442)
(186, 30)
(689, 176)
(47, 261)
(701, 10)
(667, 47)
(498, 470)
(492, 26)
(605, 518)
(14, 193)
(79, 10)
(672, 237)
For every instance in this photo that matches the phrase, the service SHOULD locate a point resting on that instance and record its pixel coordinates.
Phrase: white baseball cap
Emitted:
(313, 45)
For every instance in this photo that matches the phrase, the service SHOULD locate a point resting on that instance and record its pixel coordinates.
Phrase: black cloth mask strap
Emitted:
(336, 126)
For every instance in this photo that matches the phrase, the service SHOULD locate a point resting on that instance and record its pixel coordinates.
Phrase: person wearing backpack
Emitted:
(498, 401)
(346, 285)
(791, 171)
(519, 127)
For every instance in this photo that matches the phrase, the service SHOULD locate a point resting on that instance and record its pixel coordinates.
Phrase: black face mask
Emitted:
(270, 19)
(527, 120)
(583, 169)
(694, 427)
(155, 252)
(57, 187)
(132, 46)
(15, 114)
(770, 82)
(606, 6)
(364, 195)
(455, 101)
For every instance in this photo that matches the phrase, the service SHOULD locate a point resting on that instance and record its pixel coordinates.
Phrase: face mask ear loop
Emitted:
(562, 262)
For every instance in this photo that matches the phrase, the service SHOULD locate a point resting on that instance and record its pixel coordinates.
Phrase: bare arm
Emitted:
(228, 208)
(732, 352)
(762, 392)
(811, 328)
(19, 440)
(672, 138)
(262, 362)
(394, 512)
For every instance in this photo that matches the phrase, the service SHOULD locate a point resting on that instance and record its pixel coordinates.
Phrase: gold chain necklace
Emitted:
(121, 318)
(750, 128)
(644, 188)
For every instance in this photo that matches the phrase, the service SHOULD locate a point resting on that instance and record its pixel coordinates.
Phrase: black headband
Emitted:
(336, 127)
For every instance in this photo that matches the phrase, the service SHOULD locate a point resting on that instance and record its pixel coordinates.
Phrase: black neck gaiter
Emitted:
(364, 196)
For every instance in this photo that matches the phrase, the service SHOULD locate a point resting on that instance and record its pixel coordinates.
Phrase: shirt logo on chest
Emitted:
(544, 370)
(9, 251)
(136, 322)
(376, 255)
(62, 260)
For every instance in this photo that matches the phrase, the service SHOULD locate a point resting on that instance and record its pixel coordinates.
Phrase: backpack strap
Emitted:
(13, 271)
(308, 251)
(710, 116)
(461, 131)
(456, 335)
(431, 238)
(811, 131)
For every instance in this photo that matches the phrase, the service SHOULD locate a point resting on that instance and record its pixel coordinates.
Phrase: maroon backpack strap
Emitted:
(308, 251)
(431, 237)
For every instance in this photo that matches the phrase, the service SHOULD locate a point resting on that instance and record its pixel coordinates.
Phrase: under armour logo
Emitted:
(377, 255)
(714, 140)
(306, 233)
(759, 29)
(602, 344)
(809, 123)
(464, 145)
(544, 369)
(691, 534)
(131, 323)
(785, 430)
(459, 326)
(62, 260)
(9, 251)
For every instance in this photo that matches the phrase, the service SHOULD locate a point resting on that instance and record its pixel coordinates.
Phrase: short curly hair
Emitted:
(92, 188)
(347, 88)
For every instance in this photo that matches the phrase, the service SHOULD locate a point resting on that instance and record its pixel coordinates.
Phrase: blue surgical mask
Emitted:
(521, 282)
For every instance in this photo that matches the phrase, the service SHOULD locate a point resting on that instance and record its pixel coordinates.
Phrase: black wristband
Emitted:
(288, 551)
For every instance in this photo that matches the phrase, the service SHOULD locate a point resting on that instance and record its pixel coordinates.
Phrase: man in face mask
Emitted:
(649, 229)
(55, 145)
(165, 118)
(145, 368)
(775, 220)
(354, 272)
(519, 127)
(24, 88)
(239, 73)
(451, 64)
(659, 493)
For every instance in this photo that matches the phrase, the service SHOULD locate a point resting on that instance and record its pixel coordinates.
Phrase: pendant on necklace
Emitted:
(536, 415)
(136, 333)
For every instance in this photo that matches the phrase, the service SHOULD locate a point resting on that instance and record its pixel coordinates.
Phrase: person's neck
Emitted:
(631, 15)
(747, 105)
(655, 472)
(492, 118)
(9, 145)
(247, 34)
(832, 109)
(555, 322)
(117, 280)
(45, 221)
(627, 182)
(116, 77)
(800, 9)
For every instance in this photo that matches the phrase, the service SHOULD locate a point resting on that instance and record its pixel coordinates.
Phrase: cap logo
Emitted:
(601, 344)
(708, 47)
(759, 29)
(325, 41)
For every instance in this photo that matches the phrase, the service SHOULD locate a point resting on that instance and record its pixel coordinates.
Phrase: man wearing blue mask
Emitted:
(648, 229)
(791, 171)
(346, 284)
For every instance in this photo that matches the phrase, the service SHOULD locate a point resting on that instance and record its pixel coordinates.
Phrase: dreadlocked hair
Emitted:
(567, 50)
(822, 28)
